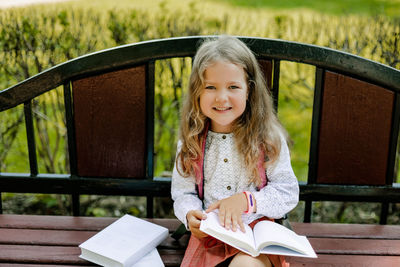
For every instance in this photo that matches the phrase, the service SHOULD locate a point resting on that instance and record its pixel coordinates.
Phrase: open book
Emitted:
(129, 241)
(266, 238)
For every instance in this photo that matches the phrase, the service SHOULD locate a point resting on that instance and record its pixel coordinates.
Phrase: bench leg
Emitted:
(150, 206)
(75, 204)
(307, 211)
(384, 212)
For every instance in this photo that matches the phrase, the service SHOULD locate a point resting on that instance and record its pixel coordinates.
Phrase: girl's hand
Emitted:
(231, 210)
(194, 218)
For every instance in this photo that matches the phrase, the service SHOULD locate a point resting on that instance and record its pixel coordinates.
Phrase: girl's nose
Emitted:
(221, 96)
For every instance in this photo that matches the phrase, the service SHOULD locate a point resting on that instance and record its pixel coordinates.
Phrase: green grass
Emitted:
(390, 8)
(338, 7)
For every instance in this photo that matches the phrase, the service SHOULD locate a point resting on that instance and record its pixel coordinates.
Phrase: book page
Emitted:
(238, 239)
(152, 259)
(267, 233)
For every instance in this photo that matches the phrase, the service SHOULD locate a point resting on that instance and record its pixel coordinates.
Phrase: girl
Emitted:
(231, 148)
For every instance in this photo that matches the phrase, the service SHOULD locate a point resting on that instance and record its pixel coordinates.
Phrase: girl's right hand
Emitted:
(194, 218)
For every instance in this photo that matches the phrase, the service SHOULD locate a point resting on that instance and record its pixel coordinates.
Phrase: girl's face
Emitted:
(223, 98)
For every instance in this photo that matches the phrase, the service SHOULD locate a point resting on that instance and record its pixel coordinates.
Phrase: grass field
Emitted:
(336, 7)
(390, 8)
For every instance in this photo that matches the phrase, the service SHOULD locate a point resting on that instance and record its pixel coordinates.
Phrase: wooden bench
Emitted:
(109, 110)
(36, 240)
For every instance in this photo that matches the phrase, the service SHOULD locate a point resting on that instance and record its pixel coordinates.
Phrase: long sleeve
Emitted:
(183, 191)
(281, 194)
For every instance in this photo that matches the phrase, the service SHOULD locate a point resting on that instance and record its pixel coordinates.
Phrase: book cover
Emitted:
(124, 242)
(267, 238)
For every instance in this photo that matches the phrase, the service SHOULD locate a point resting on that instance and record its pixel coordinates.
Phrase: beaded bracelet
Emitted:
(250, 202)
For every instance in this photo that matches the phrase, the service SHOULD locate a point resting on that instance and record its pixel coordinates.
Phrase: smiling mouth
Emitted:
(222, 109)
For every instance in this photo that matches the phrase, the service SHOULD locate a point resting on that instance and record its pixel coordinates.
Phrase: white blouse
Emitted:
(225, 175)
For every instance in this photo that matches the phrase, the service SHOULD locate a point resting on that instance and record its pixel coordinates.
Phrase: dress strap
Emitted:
(261, 170)
(200, 164)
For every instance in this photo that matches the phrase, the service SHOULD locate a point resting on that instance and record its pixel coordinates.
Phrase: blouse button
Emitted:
(225, 160)
(224, 137)
(228, 187)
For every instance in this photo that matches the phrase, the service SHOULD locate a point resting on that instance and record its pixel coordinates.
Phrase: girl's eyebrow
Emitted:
(235, 82)
(229, 82)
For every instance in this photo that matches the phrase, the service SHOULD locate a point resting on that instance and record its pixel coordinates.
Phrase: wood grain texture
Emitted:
(110, 123)
(40, 254)
(44, 237)
(355, 127)
(66, 238)
(50, 222)
(47, 265)
(266, 68)
(339, 230)
(345, 261)
(353, 246)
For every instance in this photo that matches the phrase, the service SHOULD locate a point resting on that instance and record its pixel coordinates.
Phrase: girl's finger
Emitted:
(228, 220)
(196, 223)
(213, 206)
(221, 215)
(241, 225)
(200, 215)
(199, 234)
(234, 222)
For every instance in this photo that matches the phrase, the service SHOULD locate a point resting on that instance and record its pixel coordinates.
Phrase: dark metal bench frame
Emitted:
(146, 53)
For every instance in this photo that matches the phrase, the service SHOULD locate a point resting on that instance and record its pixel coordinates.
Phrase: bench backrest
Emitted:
(109, 107)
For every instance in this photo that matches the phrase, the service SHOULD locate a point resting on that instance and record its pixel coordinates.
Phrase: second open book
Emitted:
(266, 238)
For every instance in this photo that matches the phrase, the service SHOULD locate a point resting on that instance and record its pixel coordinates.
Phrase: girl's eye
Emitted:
(210, 87)
(234, 87)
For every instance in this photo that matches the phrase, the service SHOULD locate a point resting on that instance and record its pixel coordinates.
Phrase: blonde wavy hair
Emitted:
(257, 130)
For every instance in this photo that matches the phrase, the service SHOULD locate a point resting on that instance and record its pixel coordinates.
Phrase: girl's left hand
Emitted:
(230, 211)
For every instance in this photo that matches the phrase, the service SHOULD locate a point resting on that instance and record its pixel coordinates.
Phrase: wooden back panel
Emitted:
(266, 67)
(354, 133)
(110, 123)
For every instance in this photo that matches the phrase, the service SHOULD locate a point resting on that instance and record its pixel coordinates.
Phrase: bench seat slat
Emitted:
(32, 239)
(342, 246)
(69, 222)
(347, 230)
(40, 265)
(65, 238)
(68, 255)
(44, 237)
(344, 260)
(40, 254)
(60, 255)
(54, 222)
